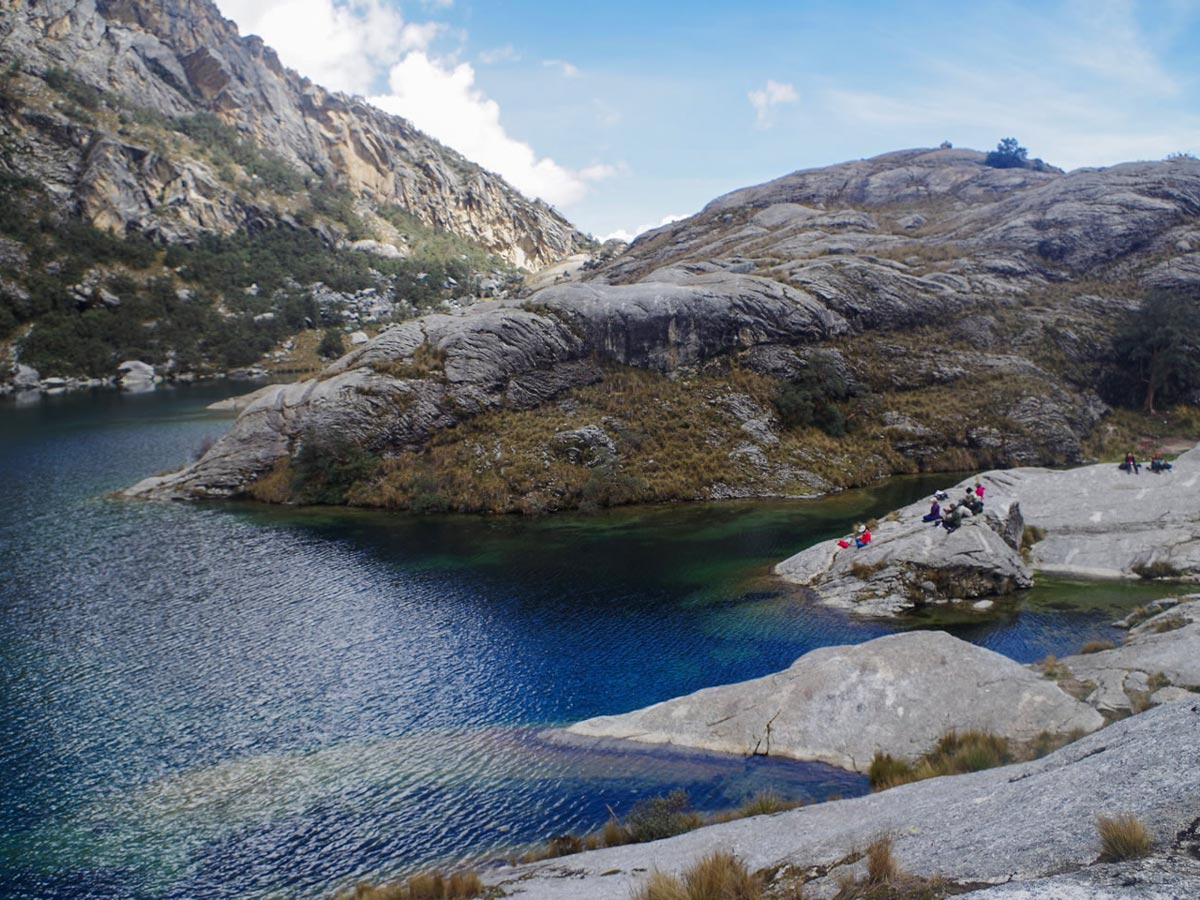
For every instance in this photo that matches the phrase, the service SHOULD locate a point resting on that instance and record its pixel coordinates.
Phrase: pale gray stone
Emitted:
(897, 694)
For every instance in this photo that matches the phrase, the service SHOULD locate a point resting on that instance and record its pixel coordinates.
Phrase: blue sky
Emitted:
(625, 114)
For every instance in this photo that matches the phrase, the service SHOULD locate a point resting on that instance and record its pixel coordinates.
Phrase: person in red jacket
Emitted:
(864, 536)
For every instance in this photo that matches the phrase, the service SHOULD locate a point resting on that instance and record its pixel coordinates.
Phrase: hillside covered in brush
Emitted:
(172, 193)
(920, 310)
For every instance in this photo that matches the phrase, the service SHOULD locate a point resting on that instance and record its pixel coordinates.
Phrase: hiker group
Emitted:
(1158, 465)
(951, 517)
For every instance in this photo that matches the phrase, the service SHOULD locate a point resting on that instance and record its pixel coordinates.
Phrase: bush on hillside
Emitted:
(1007, 155)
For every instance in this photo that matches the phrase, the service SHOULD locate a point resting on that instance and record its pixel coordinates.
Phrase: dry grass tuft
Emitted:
(1096, 646)
(424, 886)
(275, 485)
(1053, 669)
(718, 876)
(1123, 837)
(956, 753)
(1170, 624)
(765, 803)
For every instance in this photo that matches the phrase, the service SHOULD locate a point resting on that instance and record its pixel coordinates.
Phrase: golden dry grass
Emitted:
(423, 886)
(674, 440)
(1123, 837)
(718, 876)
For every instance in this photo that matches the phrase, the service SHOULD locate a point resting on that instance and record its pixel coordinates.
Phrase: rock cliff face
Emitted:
(952, 315)
(154, 61)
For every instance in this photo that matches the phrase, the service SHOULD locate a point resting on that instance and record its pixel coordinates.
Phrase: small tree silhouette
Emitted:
(1007, 155)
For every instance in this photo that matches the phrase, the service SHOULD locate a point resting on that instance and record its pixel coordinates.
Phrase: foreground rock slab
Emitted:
(1018, 823)
(898, 694)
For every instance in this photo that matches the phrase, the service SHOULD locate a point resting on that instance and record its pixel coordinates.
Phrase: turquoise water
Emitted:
(232, 700)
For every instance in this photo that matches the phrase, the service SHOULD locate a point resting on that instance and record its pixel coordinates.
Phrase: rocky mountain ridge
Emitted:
(915, 311)
(151, 62)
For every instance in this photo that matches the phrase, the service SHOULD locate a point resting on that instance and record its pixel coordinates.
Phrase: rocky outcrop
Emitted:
(1095, 521)
(1159, 662)
(499, 352)
(1101, 522)
(877, 257)
(911, 563)
(1020, 826)
(897, 694)
(176, 58)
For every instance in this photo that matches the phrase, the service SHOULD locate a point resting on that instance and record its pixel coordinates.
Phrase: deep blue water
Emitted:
(231, 700)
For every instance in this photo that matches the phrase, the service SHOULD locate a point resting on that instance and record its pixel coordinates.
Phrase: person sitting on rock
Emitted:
(975, 505)
(1158, 465)
(864, 537)
(952, 517)
(935, 513)
(979, 490)
(1131, 464)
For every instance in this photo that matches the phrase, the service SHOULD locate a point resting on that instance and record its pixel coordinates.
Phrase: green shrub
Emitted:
(326, 467)
(332, 344)
(811, 398)
(1155, 569)
(660, 817)
(1007, 155)
(74, 88)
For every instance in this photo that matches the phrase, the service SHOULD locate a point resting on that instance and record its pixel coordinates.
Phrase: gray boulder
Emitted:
(911, 563)
(26, 378)
(135, 375)
(1017, 824)
(897, 694)
(588, 446)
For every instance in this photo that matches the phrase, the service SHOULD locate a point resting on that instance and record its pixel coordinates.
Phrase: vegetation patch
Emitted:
(1154, 570)
(1123, 837)
(718, 876)
(680, 443)
(423, 886)
(884, 879)
(956, 753)
(1096, 646)
(426, 361)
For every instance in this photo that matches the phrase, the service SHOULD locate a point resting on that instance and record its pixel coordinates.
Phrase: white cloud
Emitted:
(507, 53)
(567, 69)
(445, 103)
(764, 101)
(601, 171)
(339, 44)
(622, 234)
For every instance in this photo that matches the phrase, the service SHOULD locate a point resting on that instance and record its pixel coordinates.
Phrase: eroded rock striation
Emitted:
(1030, 826)
(161, 61)
(897, 694)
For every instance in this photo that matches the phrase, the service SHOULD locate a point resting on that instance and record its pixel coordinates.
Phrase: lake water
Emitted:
(231, 700)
